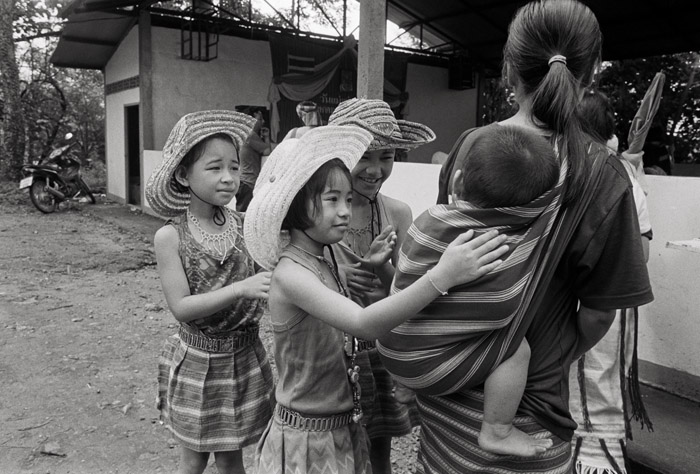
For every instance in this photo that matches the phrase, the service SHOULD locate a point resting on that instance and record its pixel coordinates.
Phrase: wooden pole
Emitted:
(370, 61)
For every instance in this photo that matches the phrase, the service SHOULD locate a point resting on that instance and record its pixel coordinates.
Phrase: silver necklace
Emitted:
(217, 244)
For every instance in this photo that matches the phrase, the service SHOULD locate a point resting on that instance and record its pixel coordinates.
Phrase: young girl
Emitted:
(214, 379)
(305, 188)
(389, 410)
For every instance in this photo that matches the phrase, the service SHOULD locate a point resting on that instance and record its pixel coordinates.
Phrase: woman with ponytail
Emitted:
(591, 264)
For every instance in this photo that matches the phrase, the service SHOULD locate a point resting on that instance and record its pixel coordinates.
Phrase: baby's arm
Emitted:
(185, 306)
(465, 260)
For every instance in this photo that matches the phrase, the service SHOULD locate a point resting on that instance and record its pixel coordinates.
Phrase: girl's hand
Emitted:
(381, 248)
(361, 282)
(255, 287)
(467, 259)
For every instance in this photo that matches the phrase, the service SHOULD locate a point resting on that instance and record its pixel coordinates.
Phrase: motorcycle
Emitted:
(56, 179)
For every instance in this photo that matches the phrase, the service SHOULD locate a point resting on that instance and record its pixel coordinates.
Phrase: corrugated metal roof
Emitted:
(631, 28)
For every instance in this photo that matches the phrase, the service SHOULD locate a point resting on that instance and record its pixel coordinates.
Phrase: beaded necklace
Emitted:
(350, 343)
(217, 244)
(360, 239)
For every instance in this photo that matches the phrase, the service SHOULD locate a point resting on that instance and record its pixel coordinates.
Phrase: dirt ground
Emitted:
(82, 320)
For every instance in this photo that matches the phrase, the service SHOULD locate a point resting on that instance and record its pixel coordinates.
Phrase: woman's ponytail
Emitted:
(552, 50)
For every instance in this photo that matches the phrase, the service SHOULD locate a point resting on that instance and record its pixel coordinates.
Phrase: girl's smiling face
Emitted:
(333, 211)
(372, 170)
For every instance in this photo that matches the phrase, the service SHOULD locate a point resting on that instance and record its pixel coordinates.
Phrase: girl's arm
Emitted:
(463, 261)
(185, 306)
(402, 218)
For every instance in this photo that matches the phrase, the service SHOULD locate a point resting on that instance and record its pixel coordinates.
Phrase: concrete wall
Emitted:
(240, 75)
(122, 65)
(448, 112)
(669, 327)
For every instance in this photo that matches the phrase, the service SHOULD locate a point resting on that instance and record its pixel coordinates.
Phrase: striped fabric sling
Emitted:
(456, 341)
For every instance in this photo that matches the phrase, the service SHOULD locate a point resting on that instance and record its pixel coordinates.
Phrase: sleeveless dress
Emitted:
(383, 415)
(216, 401)
(313, 382)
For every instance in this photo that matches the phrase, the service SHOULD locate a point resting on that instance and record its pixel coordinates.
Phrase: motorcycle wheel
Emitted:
(86, 189)
(41, 198)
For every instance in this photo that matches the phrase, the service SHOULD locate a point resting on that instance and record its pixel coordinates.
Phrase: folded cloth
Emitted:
(641, 123)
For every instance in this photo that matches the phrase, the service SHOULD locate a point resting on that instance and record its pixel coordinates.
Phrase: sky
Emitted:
(353, 19)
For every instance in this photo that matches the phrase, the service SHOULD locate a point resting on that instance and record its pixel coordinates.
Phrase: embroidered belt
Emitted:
(238, 339)
(298, 421)
(363, 345)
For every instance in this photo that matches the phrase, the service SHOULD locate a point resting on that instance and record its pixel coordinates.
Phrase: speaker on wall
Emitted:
(461, 73)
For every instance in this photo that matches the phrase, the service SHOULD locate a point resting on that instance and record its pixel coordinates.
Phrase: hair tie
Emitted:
(557, 58)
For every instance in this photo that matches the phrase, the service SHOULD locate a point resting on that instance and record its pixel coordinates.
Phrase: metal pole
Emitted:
(345, 17)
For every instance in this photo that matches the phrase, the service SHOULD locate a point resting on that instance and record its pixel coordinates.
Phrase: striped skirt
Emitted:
(383, 415)
(286, 450)
(449, 440)
(214, 401)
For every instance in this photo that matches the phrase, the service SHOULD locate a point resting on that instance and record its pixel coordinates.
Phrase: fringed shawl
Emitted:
(457, 340)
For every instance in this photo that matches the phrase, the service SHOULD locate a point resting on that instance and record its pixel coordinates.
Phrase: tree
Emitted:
(12, 128)
(626, 81)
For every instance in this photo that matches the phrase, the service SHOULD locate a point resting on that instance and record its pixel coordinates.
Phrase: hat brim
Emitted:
(287, 170)
(161, 194)
(413, 134)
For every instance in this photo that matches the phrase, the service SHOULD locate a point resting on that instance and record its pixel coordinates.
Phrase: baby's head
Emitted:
(506, 166)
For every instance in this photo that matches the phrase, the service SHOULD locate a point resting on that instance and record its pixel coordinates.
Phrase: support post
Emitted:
(145, 82)
(370, 61)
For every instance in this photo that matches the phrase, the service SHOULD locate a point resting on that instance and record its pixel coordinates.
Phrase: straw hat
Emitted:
(376, 117)
(163, 197)
(288, 168)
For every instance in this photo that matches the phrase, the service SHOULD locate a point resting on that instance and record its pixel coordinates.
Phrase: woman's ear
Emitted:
(181, 176)
(455, 190)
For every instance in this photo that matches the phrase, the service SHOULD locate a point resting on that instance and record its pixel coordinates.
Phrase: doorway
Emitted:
(133, 155)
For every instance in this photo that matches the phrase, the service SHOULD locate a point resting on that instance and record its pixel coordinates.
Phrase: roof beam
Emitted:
(96, 42)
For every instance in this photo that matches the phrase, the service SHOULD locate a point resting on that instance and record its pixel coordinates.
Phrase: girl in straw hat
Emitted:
(305, 189)
(389, 408)
(214, 378)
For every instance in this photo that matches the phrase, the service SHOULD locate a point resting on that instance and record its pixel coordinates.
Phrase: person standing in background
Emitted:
(257, 145)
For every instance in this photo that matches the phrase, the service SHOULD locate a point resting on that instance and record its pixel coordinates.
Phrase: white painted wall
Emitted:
(124, 63)
(448, 112)
(416, 184)
(670, 326)
(240, 75)
(115, 140)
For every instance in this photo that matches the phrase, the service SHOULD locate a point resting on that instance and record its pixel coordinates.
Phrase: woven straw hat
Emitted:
(288, 168)
(163, 197)
(376, 117)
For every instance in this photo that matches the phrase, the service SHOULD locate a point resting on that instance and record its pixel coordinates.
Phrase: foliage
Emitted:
(57, 101)
(498, 101)
(626, 81)
(11, 118)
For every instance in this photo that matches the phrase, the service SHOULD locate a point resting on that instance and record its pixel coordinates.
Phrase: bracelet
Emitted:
(443, 293)
(233, 290)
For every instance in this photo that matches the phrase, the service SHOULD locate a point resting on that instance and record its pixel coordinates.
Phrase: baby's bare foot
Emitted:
(509, 440)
